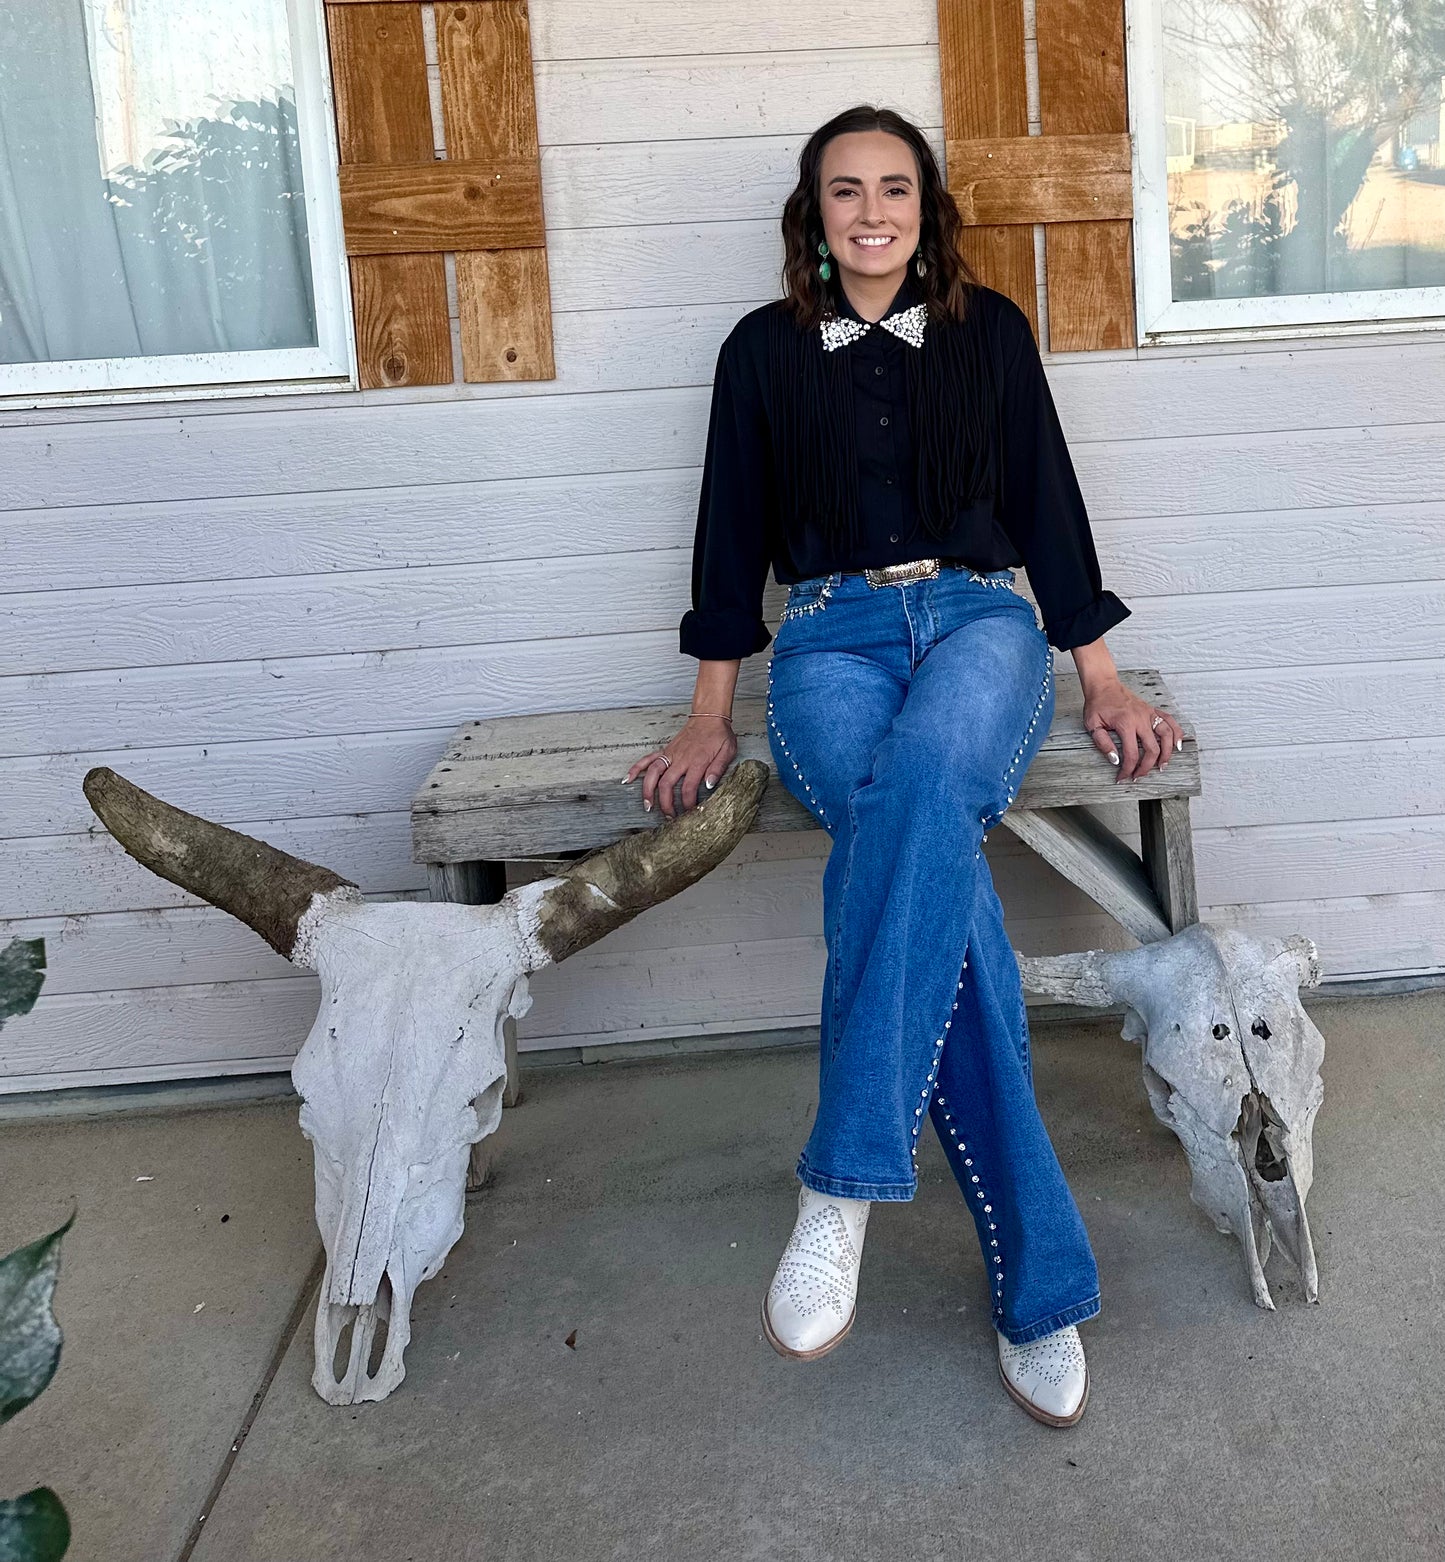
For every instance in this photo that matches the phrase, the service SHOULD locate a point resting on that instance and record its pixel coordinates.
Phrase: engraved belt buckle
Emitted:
(901, 574)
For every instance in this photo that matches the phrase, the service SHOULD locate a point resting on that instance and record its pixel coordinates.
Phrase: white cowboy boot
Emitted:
(809, 1306)
(1048, 1376)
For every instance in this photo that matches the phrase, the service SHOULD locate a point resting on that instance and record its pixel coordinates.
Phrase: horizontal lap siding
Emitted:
(274, 612)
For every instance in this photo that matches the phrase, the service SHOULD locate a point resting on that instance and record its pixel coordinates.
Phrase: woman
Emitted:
(883, 437)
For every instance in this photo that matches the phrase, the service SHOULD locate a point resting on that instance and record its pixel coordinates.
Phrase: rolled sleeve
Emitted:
(1042, 507)
(730, 556)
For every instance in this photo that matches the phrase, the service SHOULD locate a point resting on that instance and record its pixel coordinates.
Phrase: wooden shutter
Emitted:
(1075, 178)
(403, 209)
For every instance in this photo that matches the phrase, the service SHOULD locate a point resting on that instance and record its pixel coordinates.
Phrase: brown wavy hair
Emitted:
(947, 279)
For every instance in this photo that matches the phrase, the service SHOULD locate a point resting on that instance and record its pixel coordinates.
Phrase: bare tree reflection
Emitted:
(1328, 85)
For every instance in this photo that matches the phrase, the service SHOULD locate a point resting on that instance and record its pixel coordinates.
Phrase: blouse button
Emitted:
(893, 536)
(878, 369)
(882, 422)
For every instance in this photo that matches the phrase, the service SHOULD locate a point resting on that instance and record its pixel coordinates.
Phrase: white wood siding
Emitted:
(274, 612)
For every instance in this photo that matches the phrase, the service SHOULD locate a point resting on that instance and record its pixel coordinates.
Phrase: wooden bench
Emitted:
(546, 788)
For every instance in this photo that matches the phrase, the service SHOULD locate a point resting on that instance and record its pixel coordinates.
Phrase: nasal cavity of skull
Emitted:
(1269, 1159)
(1260, 1029)
(375, 1318)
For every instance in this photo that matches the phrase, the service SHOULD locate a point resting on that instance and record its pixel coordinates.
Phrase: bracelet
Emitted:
(716, 714)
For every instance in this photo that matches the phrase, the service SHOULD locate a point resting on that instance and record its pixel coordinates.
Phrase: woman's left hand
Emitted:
(1147, 735)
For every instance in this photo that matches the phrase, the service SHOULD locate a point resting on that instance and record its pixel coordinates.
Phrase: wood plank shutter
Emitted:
(403, 208)
(1075, 178)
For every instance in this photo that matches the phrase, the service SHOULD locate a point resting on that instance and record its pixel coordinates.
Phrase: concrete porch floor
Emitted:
(644, 1205)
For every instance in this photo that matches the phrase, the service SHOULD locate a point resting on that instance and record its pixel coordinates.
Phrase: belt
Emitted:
(901, 574)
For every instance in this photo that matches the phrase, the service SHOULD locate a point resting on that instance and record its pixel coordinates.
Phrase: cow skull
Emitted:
(1231, 1065)
(404, 1068)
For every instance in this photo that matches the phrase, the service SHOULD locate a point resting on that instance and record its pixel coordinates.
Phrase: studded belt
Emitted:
(901, 574)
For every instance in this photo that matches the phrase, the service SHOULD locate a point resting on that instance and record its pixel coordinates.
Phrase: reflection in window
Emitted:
(151, 197)
(1305, 146)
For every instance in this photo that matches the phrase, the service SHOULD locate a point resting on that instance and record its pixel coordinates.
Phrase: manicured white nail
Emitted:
(646, 805)
(1113, 757)
(712, 782)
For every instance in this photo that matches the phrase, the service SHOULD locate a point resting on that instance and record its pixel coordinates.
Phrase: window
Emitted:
(1289, 164)
(169, 215)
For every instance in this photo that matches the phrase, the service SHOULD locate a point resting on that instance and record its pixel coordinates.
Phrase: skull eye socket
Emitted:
(1221, 1031)
(1260, 1029)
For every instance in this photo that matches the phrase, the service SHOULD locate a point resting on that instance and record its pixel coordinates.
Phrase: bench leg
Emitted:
(1167, 847)
(479, 884)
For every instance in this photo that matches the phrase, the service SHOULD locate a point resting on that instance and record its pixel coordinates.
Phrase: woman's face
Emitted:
(871, 206)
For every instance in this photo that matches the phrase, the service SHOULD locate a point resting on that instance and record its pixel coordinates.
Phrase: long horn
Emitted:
(609, 887)
(265, 888)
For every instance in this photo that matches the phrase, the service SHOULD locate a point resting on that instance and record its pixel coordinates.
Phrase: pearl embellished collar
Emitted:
(907, 325)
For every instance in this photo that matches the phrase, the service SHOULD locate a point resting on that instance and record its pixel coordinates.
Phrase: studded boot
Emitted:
(1048, 1376)
(810, 1304)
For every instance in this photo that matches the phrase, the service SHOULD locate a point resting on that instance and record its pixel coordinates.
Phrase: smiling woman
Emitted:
(884, 439)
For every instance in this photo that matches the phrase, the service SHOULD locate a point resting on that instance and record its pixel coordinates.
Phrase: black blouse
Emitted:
(1035, 518)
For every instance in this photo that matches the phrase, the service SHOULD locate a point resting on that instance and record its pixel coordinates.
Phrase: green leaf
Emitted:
(33, 1528)
(29, 1334)
(22, 970)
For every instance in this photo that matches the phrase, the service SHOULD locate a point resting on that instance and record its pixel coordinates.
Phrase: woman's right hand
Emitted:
(700, 755)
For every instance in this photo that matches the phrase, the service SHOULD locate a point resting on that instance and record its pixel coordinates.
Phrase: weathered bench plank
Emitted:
(518, 787)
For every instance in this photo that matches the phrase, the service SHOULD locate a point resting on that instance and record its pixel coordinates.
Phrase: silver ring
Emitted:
(1155, 722)
(665, 760)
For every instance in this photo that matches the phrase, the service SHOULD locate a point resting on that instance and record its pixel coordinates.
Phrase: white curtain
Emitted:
(150, 180)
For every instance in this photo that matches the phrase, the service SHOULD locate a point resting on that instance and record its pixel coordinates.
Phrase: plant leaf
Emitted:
(34, 1528)
(22, 970)
(29, 1334)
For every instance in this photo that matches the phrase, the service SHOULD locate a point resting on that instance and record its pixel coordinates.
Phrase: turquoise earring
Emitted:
(826, 269)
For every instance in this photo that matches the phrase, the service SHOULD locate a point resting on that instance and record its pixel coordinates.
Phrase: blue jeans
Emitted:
(904, 718)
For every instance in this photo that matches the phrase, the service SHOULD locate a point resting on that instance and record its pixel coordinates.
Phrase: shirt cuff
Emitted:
(1088, 623)
(718, 635)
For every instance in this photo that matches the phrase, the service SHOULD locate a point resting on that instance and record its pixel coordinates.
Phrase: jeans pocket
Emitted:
(807, 596)
(1005, 592)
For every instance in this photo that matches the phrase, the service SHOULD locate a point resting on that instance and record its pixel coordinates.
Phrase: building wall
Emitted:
(274, 612)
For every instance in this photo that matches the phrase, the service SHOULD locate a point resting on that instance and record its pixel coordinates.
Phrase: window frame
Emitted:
(329, 365)
(1164, 322)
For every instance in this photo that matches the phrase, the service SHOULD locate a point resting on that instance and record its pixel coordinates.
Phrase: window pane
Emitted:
(151, 197)
(1304, 146)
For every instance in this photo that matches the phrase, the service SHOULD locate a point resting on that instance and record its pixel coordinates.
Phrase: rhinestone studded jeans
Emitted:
(904, 717)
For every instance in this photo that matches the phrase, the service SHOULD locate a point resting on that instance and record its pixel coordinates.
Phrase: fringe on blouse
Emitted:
(953, 411)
